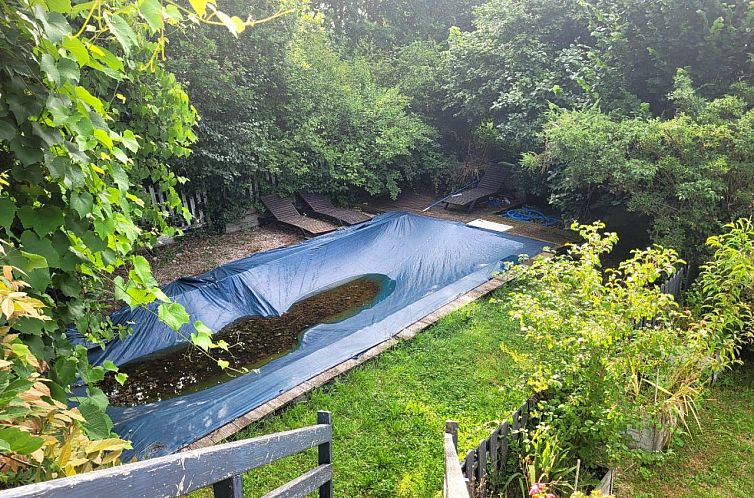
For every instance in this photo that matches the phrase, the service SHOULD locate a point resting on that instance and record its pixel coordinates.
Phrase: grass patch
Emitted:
(389, 414)
(717, 461)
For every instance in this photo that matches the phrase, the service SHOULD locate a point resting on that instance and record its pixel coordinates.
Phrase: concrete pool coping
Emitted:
(323, 378)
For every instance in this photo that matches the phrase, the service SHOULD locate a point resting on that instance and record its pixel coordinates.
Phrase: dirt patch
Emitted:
(253, 341)
(193, 255)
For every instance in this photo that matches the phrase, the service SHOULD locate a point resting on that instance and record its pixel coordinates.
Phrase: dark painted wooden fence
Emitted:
(220, 466)
(486, 462)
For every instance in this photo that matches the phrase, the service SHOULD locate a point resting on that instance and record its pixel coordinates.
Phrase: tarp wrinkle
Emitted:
(430, 263)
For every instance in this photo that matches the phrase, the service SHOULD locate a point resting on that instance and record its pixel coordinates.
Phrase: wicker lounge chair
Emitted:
(491, 182)
(284, 211)
(322, 205)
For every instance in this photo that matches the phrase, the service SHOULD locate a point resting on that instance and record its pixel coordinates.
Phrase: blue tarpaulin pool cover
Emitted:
(429, 261)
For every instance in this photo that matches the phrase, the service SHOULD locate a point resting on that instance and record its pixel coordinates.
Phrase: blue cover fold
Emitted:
(430, 262)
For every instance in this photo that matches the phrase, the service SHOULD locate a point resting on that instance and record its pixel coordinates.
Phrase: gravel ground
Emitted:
(193, 255)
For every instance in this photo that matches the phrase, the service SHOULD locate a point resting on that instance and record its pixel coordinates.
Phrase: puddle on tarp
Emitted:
(253, 341)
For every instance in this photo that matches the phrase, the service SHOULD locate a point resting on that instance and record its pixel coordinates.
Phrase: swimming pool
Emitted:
(428, 262)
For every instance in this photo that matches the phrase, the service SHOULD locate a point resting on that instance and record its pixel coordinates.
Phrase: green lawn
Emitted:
(389, 414)
(717, 461)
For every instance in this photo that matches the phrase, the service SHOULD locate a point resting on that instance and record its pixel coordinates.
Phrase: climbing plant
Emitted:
(88, 114)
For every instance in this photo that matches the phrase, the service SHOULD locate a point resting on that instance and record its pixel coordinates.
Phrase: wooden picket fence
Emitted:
(196, 202)
(487, 462)
(220, 466)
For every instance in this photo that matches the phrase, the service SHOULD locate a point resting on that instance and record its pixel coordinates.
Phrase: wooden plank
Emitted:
(455, 484)
(495, 451)
(469, 468)
(231, 487)
(481, 470)
(505, 432)
(176, 475)
(304, 485)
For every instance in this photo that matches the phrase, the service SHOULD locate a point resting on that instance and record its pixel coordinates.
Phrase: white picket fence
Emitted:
(196, 202)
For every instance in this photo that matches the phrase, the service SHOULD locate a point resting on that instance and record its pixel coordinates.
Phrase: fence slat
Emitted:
(470, 461)
(324, 455)
(303, 485)
(481, 470)
(175, 475)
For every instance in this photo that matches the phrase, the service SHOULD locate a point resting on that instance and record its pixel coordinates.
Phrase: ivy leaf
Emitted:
(68, 70)
(203, 336)
(43, 220)
(122, 32)
(42, 247)
(120, 378)
(60, 6)
(82, 203)
(143, 270)
(223, 364)
(173, 315)
(50, 68)
(129, 141)
(151, 11)
(19, 441)
(232, 23)
(77, 49)
(8, 130)
(103, 137)
(92, 101)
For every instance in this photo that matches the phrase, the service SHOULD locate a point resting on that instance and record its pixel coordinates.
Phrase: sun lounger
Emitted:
(322, 205)
(491, 182)
(284, 211)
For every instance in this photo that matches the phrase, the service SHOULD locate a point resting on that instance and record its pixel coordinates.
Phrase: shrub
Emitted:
(723, 295)
(601, 372)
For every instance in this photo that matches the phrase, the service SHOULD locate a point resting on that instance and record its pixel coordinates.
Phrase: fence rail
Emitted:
(220, 466)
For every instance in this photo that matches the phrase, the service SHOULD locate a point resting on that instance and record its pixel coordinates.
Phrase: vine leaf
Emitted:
(173, 315)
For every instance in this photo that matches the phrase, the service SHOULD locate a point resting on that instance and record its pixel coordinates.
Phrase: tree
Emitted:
(688, 175)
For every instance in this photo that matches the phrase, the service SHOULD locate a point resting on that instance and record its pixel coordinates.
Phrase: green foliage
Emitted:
(644, 43)
(723, 294)
(282, 101)
(387, 24)
(87, 116)
(602, 374)
(688, 174)
(521, 57)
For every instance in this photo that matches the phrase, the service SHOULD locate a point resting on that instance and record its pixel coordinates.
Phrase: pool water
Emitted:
(253, 341)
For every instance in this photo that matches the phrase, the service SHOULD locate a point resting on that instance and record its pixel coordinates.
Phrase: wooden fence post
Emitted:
(232, 487)
(324, 452)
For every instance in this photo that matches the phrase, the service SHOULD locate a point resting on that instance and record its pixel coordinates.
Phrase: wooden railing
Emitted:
(455, 482)
(220, 466)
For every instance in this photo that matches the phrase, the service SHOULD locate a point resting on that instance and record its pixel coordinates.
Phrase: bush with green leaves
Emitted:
(688, 175)
(723, 293)
(283, 102)
(600, 372)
